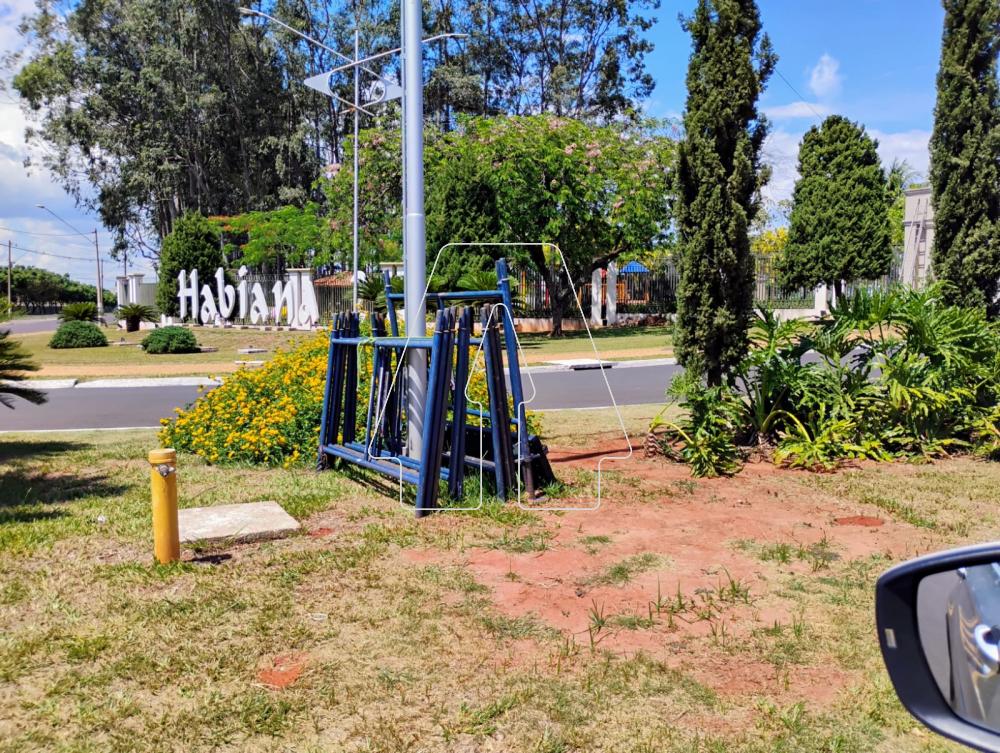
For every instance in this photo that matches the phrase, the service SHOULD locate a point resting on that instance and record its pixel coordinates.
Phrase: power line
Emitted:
(46, 235)
(60, 256)
(795, 91)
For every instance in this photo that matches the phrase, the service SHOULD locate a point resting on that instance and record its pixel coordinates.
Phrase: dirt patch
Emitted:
(669, 565)
(605, 353)
(868, 521)
(87, 371)
(283, 671)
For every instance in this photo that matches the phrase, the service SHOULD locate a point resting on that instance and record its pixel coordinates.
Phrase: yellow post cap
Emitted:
(163, 455)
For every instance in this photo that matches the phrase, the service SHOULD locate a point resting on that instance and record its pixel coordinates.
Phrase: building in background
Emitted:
(918, 236)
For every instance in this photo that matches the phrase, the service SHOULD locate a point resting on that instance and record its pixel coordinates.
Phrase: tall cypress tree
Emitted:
(840, 222)
(965, 155)
(718, 179)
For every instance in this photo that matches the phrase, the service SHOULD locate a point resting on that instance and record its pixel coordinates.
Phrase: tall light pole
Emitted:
(414, 226)
(354, 229)
(97, 256)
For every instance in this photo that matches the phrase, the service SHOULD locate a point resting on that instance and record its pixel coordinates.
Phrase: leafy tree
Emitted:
(965, 155)
(14, 362)
(596, 192)
(295, 236)
(577, 58)
(840, 223)
(193, 244)
(770, 242)
(380, 184)
(34, 289)
(148, 109)
(718, 180)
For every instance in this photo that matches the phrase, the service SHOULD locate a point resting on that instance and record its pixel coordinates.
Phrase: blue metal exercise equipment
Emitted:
(494, 442)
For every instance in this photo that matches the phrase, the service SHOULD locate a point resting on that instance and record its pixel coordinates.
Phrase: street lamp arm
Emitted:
(393, 51)
(78, 232)
(296, 32)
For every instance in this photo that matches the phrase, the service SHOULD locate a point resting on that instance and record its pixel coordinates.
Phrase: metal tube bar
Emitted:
(414, 239)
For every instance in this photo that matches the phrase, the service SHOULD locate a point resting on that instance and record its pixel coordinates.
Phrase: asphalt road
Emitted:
(120, 407)
(97, 408)
(31, 324)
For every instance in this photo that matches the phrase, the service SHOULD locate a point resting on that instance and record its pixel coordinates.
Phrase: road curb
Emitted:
(151, 382)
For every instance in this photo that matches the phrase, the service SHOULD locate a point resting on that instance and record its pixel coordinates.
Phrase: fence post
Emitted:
(595, 298)
(612, 313)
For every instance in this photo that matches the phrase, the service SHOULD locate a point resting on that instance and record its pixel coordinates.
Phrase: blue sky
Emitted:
(872, 60)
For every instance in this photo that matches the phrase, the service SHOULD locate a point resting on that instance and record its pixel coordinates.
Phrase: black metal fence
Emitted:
(652, 292)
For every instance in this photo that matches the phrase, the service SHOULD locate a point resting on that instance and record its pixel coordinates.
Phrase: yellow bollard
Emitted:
(163, 480)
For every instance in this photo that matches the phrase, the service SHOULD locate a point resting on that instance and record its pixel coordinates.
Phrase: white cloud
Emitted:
(824, 78)
(797, 110)
(39, 239)
(781, 152)
(911, 146)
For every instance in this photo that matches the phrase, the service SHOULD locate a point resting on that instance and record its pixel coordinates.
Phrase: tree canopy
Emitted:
(718, 180)
(596, 192)
(839, 229)
(148, 109)
(965, 155)
(194, 243)
(33, 288)
(152, 108)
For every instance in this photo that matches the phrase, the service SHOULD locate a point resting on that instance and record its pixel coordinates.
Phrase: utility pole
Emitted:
(10, 273)
(414, 238)
(357, 73)
(100, 280)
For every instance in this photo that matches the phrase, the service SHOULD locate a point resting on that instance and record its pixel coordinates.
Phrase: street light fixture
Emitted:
(97, 255)
(358, 65)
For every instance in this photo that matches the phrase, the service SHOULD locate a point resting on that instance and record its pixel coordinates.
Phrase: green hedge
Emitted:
(170, 340)
(78, 335)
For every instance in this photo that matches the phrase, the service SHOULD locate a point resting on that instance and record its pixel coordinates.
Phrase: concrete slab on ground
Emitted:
(577, 364)
(250, 351)
(250, 521)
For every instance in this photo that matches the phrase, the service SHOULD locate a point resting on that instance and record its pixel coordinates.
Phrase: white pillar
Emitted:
(121, 289)
(612, 316)
(134, 280)
(595, 298)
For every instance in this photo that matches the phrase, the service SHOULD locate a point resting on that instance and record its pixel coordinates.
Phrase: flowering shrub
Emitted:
(271, 415)
(265, 416)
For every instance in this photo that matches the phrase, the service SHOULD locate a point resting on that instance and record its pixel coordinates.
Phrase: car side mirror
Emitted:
(938, 621)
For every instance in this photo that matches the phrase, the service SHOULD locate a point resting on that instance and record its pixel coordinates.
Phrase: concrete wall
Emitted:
(918, 236)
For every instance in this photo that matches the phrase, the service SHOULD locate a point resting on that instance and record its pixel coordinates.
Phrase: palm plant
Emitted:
(14, 362)
(134, 314)
(84, 311)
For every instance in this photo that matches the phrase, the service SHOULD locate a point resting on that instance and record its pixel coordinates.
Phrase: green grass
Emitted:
(129, 360)
(403, 645)
(613, 342)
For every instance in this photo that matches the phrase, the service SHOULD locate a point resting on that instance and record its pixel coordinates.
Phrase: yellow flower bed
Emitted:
(270, 415)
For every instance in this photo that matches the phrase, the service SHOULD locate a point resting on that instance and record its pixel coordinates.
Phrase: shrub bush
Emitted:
(270, 415)
(79, 312)
(170, 340)
(899, 374)
(75, 334)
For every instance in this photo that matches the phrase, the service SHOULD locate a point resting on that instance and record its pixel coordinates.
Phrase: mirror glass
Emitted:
(958, 616)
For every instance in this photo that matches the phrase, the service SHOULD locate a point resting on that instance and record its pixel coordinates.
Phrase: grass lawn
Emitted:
(131, 361)
(683, 615)
(615, 343)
